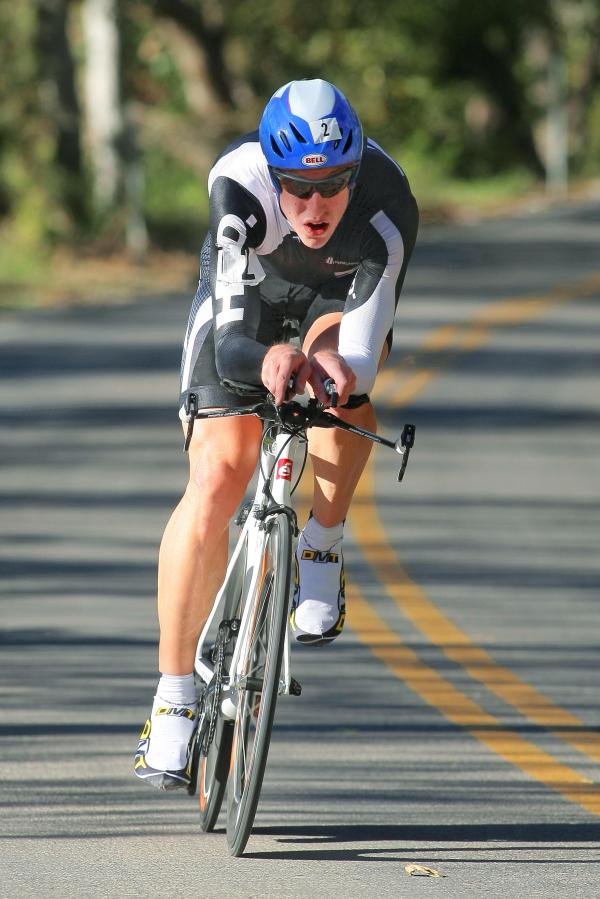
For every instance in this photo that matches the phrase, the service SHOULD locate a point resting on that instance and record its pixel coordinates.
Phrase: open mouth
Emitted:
(316, 228)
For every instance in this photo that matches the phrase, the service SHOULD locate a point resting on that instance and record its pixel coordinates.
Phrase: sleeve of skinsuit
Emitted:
(237, 226)
(371, 304)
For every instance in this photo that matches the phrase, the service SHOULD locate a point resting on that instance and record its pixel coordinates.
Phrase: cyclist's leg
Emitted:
(338, 457)
(338, 460)
(193, 553)
(191, 566)
(222, 457)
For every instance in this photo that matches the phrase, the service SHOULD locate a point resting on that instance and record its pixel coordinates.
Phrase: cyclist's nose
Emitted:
(316, 203)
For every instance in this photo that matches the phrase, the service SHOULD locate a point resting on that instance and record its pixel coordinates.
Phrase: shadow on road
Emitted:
(513, 837)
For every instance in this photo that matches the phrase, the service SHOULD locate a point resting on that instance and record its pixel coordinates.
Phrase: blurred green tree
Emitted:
(452, 86)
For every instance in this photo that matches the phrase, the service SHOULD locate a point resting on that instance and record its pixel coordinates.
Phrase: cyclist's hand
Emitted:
(329, 364)
(282, 362)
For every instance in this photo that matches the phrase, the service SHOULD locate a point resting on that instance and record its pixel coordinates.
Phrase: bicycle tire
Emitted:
(262, 664)
(213, 770)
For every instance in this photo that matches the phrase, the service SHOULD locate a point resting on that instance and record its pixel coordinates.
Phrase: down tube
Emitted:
(286, 452)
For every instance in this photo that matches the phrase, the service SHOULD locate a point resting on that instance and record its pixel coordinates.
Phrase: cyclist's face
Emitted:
(315, 219)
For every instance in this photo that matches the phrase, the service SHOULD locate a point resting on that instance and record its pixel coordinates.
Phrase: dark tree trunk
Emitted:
(59, 97)
(208, 37)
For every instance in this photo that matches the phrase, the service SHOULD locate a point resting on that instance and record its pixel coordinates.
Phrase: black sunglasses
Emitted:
(304, 188)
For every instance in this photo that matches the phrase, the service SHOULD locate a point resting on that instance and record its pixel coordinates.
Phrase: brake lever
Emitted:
(404, 446)
(331, 390)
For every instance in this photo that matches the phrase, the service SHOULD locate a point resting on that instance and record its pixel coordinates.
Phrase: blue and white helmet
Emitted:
(310, 125)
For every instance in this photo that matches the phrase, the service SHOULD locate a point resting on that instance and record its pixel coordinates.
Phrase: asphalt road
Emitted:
(455, 724)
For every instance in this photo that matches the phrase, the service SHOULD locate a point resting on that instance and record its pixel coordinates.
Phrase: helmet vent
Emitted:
(348, 143)
(276, 148)
(285, 141)
(297, 134)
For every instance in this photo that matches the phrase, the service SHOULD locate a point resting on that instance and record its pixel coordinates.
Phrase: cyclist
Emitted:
(307, 219)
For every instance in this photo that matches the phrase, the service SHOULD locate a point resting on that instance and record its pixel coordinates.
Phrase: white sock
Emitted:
(317, 606)
(172, 727)
(178, 689)
(320, 537)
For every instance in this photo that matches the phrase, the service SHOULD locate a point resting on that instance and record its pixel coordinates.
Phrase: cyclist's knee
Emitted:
(221, 465)
(220, 483)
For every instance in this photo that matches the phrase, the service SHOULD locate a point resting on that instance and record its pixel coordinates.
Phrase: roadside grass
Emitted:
(454, 200)
(70, 277)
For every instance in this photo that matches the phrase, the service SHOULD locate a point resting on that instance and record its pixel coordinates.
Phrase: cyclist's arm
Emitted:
(237, 226)
(372, 299)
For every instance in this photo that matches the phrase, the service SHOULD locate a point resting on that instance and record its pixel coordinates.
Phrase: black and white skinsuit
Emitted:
(255, 272)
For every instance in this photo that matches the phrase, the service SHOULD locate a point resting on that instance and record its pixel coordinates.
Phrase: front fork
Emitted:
(288, 685)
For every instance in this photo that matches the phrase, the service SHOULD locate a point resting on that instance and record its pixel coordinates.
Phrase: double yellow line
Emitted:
(422, 612)
(450, 340)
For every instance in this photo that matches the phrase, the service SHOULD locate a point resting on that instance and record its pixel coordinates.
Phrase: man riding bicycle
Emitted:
(310, 220)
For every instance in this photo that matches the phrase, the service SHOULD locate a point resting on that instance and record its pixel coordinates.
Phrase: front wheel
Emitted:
(258, 685)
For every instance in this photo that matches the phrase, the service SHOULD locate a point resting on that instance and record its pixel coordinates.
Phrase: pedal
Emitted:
(295, 687)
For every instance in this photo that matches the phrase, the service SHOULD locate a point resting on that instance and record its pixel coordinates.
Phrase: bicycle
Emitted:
(243, 659)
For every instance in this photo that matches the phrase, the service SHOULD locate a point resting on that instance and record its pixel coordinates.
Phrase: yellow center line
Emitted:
(475, 331)
(441, 338)
(387, 646)
(414, 385)
(431, 686)
(414, 603)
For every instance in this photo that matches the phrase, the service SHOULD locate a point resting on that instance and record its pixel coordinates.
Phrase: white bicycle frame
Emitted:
(275, 471)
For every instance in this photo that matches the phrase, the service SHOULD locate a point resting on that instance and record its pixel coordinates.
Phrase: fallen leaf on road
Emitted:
(422, 871)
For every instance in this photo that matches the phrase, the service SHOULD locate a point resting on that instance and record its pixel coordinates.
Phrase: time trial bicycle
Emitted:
(243, 659)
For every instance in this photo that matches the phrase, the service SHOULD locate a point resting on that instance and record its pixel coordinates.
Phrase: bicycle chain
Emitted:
(226, 631)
